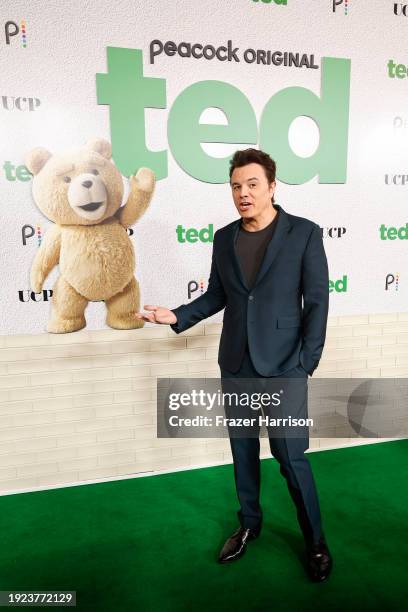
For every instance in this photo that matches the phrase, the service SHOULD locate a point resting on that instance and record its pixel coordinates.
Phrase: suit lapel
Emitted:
(275, 245)
(235, 259)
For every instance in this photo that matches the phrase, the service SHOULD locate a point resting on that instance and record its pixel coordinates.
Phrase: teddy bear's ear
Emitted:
(101, 146)
(36, 159)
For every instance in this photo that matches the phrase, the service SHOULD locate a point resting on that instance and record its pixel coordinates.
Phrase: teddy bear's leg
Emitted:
(68, 307)
(123, 306)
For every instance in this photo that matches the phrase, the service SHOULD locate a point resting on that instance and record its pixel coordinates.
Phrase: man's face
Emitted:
(251, 191)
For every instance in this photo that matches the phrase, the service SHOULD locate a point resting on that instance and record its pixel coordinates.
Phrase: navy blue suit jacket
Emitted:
(284, 316)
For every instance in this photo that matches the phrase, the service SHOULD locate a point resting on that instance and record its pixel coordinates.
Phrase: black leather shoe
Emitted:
(319, 561)
(236, 545)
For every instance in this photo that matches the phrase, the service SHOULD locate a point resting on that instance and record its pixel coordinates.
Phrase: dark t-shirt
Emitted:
(251, 247)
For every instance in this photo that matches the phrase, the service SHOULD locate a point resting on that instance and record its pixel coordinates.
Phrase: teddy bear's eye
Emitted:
(67, 179)
(95, 172)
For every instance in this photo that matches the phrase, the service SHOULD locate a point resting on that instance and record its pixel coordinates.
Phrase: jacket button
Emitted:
(251, 297)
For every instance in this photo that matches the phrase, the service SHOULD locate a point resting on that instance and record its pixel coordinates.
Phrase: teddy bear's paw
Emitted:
(36, 287)
(36, 283)
(65, 326)
(124, 322)
(145, 179)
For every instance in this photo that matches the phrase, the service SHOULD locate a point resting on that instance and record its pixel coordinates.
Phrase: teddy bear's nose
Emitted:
(87, 184)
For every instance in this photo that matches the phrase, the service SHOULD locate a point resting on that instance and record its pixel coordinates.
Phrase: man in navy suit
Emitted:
(269, 271)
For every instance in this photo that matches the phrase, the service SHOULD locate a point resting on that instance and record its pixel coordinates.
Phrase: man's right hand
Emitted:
(157, 314)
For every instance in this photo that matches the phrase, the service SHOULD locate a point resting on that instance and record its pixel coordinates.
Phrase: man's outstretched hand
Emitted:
(157, 314)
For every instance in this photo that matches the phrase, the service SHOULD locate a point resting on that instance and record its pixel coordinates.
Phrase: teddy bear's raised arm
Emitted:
(141, 191)
(46, 258)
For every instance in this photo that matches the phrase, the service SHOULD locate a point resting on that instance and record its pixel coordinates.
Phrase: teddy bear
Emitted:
(81, 192)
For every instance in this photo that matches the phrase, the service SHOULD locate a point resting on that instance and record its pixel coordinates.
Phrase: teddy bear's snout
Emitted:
(87, 196)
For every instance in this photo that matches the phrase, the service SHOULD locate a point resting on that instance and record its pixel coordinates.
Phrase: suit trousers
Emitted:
(294, 466)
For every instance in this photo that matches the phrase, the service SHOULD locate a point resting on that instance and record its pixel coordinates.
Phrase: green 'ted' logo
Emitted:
(393, 233)
(128, 93)
(271, 1)
(19, 173)
(191, 234)
(339, 286)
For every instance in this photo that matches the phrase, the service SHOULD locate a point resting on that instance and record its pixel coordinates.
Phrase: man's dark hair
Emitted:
(254, 156)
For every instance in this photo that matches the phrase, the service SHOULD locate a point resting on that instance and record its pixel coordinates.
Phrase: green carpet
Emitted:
(150, 544)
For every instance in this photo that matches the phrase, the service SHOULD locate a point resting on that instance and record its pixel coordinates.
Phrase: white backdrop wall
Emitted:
(49, 98)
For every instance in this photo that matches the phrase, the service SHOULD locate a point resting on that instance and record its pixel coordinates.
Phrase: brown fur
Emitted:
(95, 256)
